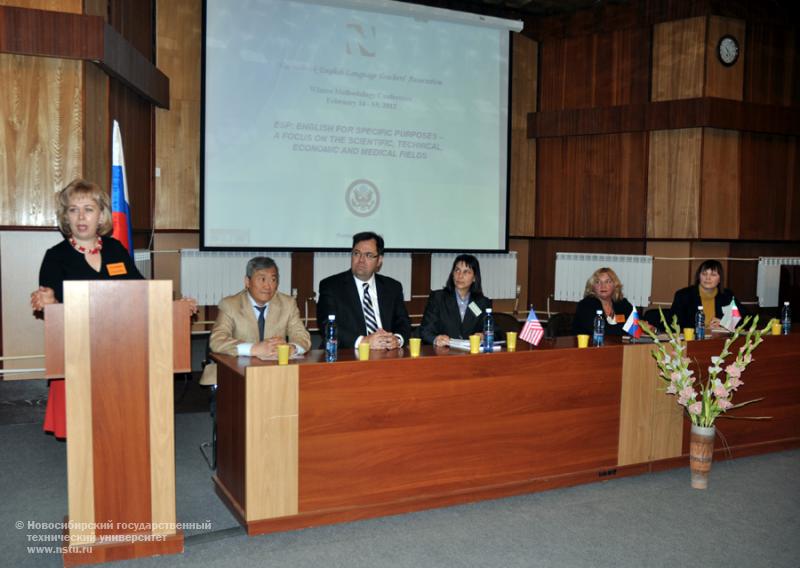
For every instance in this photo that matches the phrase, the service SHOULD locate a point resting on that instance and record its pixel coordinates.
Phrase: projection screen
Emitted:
(322, 118)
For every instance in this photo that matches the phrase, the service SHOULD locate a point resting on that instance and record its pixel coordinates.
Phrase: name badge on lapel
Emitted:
(474, 309)
(116, 269)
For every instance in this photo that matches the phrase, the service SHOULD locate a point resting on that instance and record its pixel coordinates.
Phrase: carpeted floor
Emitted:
(749, 517)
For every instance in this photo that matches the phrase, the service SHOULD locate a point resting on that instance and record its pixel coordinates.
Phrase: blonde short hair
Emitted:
(92, 190)
(595, 277)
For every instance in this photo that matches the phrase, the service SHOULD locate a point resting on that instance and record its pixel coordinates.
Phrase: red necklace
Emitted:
(83, 249)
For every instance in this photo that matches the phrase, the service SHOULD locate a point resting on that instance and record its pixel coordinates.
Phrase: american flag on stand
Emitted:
(532, 331)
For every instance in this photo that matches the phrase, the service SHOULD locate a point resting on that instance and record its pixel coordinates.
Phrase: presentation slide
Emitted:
(322, 120)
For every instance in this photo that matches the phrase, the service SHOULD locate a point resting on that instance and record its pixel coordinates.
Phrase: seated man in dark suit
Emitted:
(257, 319)
(368, 307)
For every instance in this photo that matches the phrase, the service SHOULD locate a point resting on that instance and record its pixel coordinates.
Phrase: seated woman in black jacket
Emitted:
(458, 310)
(708, 292)
(603, 292)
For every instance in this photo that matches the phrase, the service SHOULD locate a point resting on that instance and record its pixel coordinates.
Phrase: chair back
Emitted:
(559, 325)
(504, 323)
(653, 318)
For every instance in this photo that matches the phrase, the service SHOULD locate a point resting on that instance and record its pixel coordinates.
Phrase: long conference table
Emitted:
(313, 443)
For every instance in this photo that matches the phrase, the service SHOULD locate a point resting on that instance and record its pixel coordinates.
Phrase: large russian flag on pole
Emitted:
(120, 207)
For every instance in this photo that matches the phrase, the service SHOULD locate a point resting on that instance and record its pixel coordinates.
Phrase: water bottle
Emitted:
(598, 329)
(488, 331)
(700, 323)
(331, 342)
(786, 318)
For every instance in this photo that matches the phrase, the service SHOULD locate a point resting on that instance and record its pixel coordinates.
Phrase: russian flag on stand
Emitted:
(632, 324)
(120, 208)
(532, 331)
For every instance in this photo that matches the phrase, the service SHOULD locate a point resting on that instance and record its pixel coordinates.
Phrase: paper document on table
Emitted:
(463, 345)
(274, 357)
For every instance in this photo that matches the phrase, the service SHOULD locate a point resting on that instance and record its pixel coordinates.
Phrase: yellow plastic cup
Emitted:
(583, 341)
(363, 351)
(283, 354)
(688, 333)
(511, 340)
(413, 346)
(475, 343)
(776, 328)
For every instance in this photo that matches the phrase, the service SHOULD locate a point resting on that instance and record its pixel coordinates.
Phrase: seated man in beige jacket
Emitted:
(257, 319)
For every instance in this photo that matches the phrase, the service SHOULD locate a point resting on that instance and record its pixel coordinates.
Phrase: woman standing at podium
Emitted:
(86, 253)
(457, 311)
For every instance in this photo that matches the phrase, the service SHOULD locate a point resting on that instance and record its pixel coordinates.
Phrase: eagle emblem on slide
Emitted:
(362, 198)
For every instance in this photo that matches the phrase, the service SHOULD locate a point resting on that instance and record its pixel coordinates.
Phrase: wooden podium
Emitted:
(117, 344)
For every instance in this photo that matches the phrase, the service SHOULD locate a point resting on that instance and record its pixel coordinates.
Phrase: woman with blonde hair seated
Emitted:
(603, 292)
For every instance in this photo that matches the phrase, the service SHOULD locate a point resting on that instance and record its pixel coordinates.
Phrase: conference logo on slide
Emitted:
(362, 198)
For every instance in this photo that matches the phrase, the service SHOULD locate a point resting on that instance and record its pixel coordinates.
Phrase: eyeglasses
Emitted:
(367, 255)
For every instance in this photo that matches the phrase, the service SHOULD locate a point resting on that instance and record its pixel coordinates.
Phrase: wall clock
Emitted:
(728, 50)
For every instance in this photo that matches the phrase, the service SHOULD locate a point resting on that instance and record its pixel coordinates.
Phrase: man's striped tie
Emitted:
(369, 313)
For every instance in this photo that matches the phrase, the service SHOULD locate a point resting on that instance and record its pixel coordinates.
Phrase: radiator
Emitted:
(769, 278)
(574, 269)
(141, 258)
(498, 273)
(395, 265)
(208, 276)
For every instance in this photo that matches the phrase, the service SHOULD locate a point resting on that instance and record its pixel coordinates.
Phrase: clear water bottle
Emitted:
(598, 329)
(786, 318)
(488, 331)
(331, 341)
(700, 323)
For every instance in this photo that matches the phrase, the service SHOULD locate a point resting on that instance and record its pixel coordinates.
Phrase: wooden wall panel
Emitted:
(542, 266)
(71, 6)
(773, 65)
(673, 196)
(96, 126)
(592, 186)
(178, 130)
(720, 183)
(522, 199)
(555, 183)
(135, 116)
(670, 269)
(167, 258)
(770, 187)
(721, 81)
(135, 22)
(40, 136)
(678, 59)
(599, 70)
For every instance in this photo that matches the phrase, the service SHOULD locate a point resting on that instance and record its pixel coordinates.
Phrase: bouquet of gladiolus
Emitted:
(705, 400)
